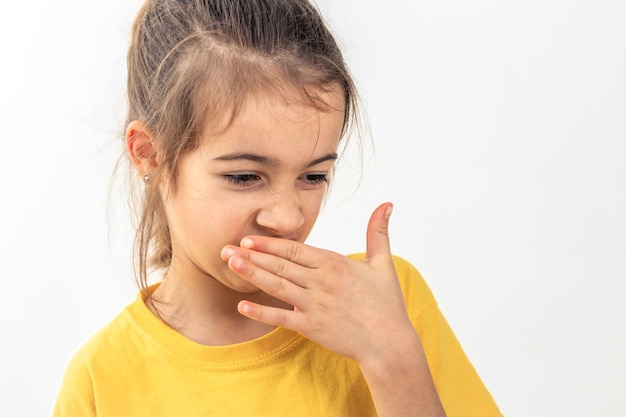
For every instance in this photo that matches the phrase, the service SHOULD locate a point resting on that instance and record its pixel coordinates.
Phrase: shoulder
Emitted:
(102, 340)
(417, 294)
(101, 349)
(77, 392)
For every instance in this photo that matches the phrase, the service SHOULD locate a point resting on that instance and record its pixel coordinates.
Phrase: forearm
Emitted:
(400, 381)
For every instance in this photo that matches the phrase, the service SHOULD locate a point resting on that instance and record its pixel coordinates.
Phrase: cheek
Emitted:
(311, 204)
(226, 220)
(223, 215)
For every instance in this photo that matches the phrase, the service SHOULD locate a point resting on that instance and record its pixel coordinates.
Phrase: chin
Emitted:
(246, 288)
(238, 284)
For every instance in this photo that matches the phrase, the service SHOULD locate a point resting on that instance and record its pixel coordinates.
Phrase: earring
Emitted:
(147, 178)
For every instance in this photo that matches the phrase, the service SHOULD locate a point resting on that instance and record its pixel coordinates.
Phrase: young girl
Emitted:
(237, 109)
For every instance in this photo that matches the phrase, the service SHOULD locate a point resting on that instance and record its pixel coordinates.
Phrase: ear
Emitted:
(141, 147)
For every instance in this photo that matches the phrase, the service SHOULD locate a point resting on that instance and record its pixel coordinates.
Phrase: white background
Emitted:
(500, 135)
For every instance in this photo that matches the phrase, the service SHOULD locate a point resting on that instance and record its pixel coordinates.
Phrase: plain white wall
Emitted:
(500, 135)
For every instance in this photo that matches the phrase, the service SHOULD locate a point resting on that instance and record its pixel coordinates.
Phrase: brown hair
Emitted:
(195, 60)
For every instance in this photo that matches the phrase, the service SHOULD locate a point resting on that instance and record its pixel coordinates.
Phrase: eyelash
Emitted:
(316, 178)
(247, 180)
(242, 180)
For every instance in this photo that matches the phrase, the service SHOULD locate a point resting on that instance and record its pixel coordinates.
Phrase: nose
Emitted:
(281, 214)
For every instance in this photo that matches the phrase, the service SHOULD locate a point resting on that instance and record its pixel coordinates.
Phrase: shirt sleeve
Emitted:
(459, 386)
(76, 396)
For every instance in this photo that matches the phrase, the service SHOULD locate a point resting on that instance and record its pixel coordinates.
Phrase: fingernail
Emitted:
(239, 263)
(388, 212)
(227, 253)
(244, 307)
(246, 242)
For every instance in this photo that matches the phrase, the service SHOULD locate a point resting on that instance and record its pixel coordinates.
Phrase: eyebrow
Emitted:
(269, 161)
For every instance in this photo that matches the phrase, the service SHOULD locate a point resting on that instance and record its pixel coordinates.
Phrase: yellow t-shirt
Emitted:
(138, 366)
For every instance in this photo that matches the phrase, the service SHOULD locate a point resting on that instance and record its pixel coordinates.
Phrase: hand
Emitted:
(354, 308)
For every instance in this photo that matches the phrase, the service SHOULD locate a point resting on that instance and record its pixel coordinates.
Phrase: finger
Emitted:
(378, 246)
(291, 250)
(270, 263)
(277, 287)
(271, 315)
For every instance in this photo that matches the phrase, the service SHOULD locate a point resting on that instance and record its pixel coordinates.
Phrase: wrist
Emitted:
(401, 353)
(400, 381)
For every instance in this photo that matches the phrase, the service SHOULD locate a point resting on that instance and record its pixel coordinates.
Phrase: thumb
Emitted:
(378, 233)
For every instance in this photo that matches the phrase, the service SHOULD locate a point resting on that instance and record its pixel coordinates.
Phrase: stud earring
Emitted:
(147, 178)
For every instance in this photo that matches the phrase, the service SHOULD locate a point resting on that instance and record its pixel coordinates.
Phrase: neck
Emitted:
(205, 311)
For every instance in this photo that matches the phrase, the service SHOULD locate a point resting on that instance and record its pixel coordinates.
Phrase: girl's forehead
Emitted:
(280, 128)
(263, 112)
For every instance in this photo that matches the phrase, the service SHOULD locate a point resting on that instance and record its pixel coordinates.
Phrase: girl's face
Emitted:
(266, 174)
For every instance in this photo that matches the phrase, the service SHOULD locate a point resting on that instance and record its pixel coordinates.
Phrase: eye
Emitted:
(315, 178)
(242, 180)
